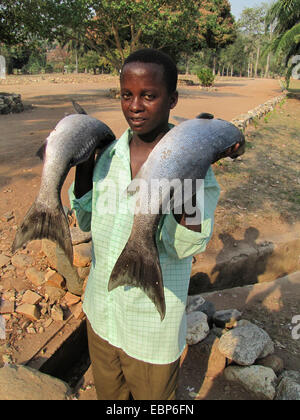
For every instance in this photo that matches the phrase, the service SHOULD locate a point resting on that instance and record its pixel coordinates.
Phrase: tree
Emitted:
(114, 28)
(252, 24)
(285, 16)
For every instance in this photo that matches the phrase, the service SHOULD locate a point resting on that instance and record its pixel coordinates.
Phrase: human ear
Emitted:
(173, 99)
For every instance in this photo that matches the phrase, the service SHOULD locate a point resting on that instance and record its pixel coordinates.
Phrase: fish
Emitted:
(185, 152)
(72, 142)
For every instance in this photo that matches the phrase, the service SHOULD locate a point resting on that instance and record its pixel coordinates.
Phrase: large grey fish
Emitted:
(185, 152)
(71, 142)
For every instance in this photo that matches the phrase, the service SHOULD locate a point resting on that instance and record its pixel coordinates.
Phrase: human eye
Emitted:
(149, 96)
(125, 95)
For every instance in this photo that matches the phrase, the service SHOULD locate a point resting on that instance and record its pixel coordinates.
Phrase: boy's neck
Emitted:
(149, 140)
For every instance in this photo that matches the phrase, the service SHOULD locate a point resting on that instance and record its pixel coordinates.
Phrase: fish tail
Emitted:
(41, 222)
(139, 267)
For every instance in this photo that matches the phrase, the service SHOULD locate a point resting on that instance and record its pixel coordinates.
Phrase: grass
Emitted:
(262, 188)
(294, 86)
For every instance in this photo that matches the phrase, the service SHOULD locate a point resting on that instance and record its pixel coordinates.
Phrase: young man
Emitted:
(133, 353)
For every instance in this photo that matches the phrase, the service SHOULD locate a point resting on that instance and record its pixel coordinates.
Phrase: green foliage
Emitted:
(206, 77)
(285, 15)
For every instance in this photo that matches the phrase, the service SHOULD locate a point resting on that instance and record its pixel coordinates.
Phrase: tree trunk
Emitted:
(268, 65)
(257, 60)
(76, 58)
(214, 66)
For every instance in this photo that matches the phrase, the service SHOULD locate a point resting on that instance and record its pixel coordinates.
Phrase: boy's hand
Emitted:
(84, 177)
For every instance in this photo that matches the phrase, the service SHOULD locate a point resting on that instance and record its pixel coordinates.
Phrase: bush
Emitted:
(206, 77)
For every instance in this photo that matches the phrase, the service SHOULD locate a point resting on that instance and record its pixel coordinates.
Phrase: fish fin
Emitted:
(40, 223)
(41, 151)
(78, 108)
(179, 119)
(205, 116)
(140, 269)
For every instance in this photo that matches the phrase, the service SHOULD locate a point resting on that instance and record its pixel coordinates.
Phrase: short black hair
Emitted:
(150, 55)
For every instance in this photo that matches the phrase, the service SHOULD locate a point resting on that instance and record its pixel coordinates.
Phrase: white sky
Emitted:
(238, 5)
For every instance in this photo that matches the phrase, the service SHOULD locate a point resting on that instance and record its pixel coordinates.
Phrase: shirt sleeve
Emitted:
(180, 242)
(82, 207)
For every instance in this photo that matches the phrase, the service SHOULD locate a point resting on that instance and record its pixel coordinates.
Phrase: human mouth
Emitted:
(137, 121)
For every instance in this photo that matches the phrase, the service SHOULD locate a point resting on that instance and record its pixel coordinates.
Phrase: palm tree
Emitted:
(285, 15)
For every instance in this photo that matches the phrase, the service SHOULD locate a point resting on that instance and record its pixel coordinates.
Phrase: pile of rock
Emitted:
(10, 103)
(56, 291)
(244, 120)
(247, 349)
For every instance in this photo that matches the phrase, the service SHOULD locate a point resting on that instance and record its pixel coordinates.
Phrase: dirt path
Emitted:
(22, 134)
(251, 196)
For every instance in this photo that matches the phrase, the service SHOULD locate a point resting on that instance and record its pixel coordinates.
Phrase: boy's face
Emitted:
(145, 101)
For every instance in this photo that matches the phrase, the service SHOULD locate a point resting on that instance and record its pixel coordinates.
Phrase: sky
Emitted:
(238, 5)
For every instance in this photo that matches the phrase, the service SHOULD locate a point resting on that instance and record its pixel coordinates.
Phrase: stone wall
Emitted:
(243, 121)
(10, 103)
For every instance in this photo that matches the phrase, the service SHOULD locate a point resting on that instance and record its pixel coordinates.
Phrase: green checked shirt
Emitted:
(126, 317)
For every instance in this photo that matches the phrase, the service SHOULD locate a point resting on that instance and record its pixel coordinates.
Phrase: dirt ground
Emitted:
(259, 191)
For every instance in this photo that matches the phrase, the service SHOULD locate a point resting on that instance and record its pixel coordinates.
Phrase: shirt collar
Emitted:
(121, 146)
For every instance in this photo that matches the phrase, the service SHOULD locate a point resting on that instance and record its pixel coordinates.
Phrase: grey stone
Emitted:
(259, 380)
(226, 318)
(288, 390)
(198, 304)
(23, 383)
(197, 327)
(244, 344)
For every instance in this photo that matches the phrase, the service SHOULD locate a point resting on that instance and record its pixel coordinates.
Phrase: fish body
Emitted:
(185, 152)
(71, 142)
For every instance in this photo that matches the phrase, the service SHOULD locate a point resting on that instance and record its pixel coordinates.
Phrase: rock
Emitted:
(23, 383)
(198, 304)
(52, 278)
(4, 260)
(6, 217)
(22, 261)
(54, 294)
(82, 254)
(193, 302)
(35, 276)
(77, 311)
(288, 388)
(272, 361)
(10, 103)
(294, 375)
(244, 344)
(6, 307)
(79, 237)
(71, 299)
(197, 327)
(31, 297)
(2, 329)
(259, 380)
(58, 260)
(83, 272)
(226, 318)
(30, 311)
(57, 313)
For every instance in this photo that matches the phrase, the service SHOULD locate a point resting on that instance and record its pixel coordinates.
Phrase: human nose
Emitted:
(136, 104)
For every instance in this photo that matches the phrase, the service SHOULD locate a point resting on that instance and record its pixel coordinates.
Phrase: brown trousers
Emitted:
(118, 376)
